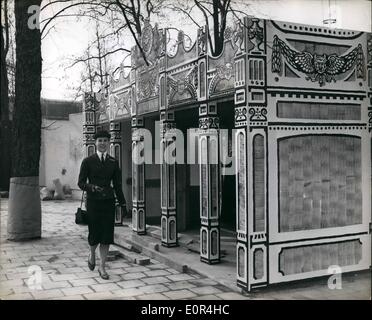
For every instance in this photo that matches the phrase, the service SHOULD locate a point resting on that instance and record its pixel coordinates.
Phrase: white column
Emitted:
(209, 184)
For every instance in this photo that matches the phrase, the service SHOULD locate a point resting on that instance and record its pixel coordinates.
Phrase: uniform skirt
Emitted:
(101, 220)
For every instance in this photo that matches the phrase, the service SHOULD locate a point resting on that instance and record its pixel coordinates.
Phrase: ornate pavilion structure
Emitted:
(296, 101)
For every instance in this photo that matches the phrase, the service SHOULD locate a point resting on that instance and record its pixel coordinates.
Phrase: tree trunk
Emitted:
(24, 218)
(4, 122)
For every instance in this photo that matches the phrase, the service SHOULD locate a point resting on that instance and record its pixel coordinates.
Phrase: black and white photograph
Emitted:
(209, 151)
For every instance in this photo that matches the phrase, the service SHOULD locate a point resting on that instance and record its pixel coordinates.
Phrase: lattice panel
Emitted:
(258, 264)
(172, 187)
(141, 178)
(163, 177)
(259, 182)
(321, 111)
(172, 230)
(204, 173)
(241, 263)
(319, 182)
(134, 182)
(242, 181)
(164, 229)
(319, 257)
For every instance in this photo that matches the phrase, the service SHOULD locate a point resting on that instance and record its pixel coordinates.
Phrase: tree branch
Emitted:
(62, 10)
(132, 31)
(120, 67)
(53, 2)
(188, 14)
(207, 23)
(97, 57)
(49, 125)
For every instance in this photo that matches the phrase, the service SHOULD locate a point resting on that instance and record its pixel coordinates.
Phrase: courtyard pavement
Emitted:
(55, 267)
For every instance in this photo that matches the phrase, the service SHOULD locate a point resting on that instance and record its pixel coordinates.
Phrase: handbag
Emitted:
(81, 216)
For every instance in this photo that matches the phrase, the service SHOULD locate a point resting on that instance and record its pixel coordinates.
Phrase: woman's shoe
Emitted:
(91, 265)
(103, 275)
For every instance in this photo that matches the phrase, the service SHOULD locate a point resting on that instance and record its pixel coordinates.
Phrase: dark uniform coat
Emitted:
(101, 205)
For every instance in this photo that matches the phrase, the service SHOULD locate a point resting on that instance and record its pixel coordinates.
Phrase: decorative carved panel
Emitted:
(148, 83)
(256, 35)
(183, 86)
(321, 68)
(222, 79)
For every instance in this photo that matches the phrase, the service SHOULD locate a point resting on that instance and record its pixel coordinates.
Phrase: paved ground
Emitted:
(60, 258)
(61, 255)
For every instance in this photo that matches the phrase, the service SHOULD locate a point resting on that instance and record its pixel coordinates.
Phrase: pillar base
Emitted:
(209, 261)
(249, 288)
(169, 245)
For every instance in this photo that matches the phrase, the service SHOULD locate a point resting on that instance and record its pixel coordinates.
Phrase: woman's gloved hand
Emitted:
(97, 188)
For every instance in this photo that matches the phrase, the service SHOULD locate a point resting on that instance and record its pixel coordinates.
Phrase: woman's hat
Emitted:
(102, 134)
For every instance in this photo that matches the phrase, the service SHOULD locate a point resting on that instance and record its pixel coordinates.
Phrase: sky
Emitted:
(70, 37)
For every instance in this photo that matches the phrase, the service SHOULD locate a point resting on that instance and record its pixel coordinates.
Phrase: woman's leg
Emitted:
(92, 257)
(107, 230)
(103, 251)
(93, 222)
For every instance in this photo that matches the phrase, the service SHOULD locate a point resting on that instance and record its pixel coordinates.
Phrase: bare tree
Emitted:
(97, 62)
(214, 14)
(24, 215)
(5, 128)
(122, 16)
(214, 17)
(217, 10)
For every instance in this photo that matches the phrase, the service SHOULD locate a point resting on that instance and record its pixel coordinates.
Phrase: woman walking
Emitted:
(97, 173)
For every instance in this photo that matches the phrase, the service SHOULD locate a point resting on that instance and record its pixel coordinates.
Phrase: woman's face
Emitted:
(102, 144)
